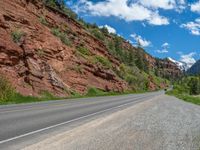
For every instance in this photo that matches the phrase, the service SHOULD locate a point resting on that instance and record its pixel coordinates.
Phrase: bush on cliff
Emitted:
(61, 35)
(6, 90)
(17, 35)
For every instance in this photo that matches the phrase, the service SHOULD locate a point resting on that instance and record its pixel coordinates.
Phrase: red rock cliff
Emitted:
(36, 60)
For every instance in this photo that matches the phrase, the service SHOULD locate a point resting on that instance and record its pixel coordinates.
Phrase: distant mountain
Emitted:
(195, 69)
(181, 65)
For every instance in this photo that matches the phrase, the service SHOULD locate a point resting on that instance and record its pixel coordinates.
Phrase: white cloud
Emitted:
(193, 27)
(143, 42)
(188, 58)
(126, 10)
(164, 47)
(109, 28)
(162, 51)
(195, 7)
(158, 20)
(164, 4)
(182, 2)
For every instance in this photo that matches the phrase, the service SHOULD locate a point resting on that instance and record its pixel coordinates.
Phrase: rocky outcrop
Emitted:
(168, 69)
(35, 60)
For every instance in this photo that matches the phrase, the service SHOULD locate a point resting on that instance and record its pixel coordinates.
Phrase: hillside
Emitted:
(195, 69)
(46, 48)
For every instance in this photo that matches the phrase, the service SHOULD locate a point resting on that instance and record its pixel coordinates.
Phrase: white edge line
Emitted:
(63, 123)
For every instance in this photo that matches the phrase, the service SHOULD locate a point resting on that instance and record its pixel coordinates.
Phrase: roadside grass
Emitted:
(46, 96)
(18, 99)
(186, 97)
(8, 95)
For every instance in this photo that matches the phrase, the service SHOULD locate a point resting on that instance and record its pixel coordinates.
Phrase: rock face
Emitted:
(40, 61)
(34, 57)
(164, 67)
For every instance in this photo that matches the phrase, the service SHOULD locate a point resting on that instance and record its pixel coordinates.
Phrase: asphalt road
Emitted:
(19, 123)
(161, 123)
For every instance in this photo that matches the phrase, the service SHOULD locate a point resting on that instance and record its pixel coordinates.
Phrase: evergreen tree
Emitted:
(194, 86)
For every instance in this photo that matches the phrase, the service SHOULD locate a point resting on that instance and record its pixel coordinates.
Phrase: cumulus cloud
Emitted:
(164, 4)
(143, 42)
(165, 47)
(127, 10)
(195, 7)
(162, 51)
(193, 27)
(109, 28)
(188, 58)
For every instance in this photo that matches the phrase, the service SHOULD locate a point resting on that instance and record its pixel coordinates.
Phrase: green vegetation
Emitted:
(43, 20)
(98, 34)
(83, 50)
(103, 61)
(60, 5)
(94, 92)
(17, 35)
(6, 90)
(8, 95)
(188, 89)
(61, 35)
(78, 69)
(47, 95)
(40, 52)
(137, 80)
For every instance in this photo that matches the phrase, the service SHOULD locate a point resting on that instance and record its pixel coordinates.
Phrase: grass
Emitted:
(17, 35)
(78, 69)
(186, 97)
(43, 20)
(46, 96)
(83, 50)
(61, 35)
(98, 34)
(8, 95)
(40, 52)
(6, 90)
(103, 61)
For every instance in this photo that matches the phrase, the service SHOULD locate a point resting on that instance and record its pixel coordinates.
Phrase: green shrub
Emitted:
(84, 50)
(95, 92)
(102, 60)
(130, 79)
(98, 34)
(6, 90)
(61, 35)
(43, 20)
(60, 5)
(40, 52)
(78, 69)
(47, 95)
(17, 35)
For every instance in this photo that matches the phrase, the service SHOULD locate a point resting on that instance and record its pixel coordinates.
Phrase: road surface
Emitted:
(26, 124)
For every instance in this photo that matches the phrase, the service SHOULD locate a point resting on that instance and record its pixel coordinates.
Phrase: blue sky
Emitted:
(165, 28)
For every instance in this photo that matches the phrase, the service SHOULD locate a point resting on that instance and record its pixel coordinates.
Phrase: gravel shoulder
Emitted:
(163, 123)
